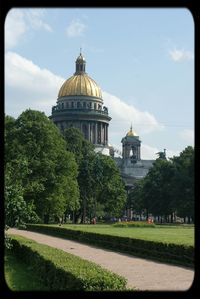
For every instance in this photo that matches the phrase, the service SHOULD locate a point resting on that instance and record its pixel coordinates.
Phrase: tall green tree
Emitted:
(84, 154)
(100, 184)
(108, 185)
(183, 183)
(50, 183)
(135, 198)
(17, 210)
(157, 190)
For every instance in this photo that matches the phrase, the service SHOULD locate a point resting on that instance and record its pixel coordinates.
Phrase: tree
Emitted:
(183, 184)
(108, 185)
(50, 183)
(135, 198)
(17, 211)
(84, 154)
(100, 183)
(157, 192)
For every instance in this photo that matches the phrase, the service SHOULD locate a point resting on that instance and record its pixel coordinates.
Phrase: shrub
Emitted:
(59, 270)
(134, 224)
(173, 253)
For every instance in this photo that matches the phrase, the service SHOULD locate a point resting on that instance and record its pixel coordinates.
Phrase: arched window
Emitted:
(95, 106)
(72, 104)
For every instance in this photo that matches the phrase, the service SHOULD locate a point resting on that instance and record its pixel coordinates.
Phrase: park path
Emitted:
(140, 273)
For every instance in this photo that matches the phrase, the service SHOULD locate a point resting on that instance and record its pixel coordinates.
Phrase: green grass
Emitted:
(20, 277)
(163, 233)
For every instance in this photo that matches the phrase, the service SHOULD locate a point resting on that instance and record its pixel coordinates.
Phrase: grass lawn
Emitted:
(163, 233)
(20, 277)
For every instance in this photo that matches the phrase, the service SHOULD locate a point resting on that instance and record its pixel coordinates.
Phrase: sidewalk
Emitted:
(140, 273)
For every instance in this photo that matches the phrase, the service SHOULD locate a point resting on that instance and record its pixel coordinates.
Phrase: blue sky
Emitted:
(143, 60)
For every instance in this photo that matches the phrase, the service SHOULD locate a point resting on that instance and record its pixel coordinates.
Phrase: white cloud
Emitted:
(15, 27)
(188, 136)
(34, 17)
(19, 21)
(28, 86)
(150, 153)
(124, 114)
(181, 55)
(75, 28)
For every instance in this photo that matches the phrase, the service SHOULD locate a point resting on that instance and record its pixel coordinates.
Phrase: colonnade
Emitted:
(95, 132)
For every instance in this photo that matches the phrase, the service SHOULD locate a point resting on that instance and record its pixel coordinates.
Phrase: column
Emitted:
(106, 134)
(88, 127)
(101, 133)
(95, 133)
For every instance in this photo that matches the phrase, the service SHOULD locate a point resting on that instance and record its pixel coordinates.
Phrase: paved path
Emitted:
(140, 273)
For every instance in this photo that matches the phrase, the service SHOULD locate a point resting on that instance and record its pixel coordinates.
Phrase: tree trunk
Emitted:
(147, 214)
(46, 218)
(84, 210)
(172, 218)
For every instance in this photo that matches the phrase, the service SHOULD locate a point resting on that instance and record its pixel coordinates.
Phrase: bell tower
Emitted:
(131, 147)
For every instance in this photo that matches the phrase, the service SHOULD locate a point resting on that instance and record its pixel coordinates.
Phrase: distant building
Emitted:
(131, 166)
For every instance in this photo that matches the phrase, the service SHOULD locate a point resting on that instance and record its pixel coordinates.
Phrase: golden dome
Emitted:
(80, 84)
(131, 132)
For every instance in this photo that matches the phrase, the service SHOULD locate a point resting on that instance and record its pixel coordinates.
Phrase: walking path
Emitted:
(140, 273)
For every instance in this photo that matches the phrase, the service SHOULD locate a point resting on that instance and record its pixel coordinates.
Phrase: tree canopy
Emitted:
(49, 184)
(168, 188)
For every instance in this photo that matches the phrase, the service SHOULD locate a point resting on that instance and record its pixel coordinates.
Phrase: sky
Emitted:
(142, 59)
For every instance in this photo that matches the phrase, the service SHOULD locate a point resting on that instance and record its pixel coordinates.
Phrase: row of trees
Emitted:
(49, 175)
(168, 189)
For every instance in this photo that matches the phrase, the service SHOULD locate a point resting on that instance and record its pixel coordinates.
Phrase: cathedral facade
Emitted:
(80, 105)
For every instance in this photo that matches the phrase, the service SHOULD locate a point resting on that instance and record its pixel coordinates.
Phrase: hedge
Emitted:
(172, 253)
(134, 224)
(59, 270)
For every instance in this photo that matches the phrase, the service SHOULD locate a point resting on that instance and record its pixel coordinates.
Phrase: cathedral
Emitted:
(80, 105)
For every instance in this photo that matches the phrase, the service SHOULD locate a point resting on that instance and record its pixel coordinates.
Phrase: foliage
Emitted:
(100, 184)
(59, 270)
(17, 210)
(41, 174)
(168, 233)
(167, 189)
(183, 182)
(134, 224)
(157, 250)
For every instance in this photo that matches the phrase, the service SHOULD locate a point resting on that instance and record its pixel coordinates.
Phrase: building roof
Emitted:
(131, 132)
(80, 84)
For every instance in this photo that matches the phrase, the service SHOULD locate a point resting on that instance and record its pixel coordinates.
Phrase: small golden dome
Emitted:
(131, 132)
(80, 84)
